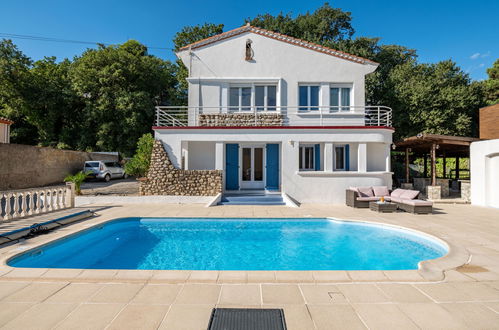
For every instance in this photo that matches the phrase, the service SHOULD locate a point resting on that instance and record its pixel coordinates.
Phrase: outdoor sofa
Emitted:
(405, 199)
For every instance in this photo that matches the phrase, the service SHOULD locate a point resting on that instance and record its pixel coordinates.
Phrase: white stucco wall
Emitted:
(201, 155)
(218, 65)
(305, 187)
(376, 156)
(484, 166)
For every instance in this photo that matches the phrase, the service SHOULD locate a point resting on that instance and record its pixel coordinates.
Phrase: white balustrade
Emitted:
(179, 116)
(27, 202)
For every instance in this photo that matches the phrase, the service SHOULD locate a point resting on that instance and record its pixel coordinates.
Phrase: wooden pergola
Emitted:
(435, 145)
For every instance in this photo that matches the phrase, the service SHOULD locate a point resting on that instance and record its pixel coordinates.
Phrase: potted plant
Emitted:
(77, 179)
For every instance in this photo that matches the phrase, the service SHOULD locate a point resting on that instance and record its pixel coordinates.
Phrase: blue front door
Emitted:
(272, 175)
(232, 166)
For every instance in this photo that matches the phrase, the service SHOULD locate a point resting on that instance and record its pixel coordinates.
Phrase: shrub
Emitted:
(139, 164)
(77, 179)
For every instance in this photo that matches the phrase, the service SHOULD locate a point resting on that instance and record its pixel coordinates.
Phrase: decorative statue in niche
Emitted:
(249, 51)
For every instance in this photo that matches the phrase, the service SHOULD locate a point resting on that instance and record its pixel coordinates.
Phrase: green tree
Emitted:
(52, 105)
(139, 164)
(120, 86)
(186, 36)
(434, 98)
(491, 85)
(14, 86)
(326, 25)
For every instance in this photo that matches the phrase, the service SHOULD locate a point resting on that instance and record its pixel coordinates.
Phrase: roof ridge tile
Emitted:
(280, 37)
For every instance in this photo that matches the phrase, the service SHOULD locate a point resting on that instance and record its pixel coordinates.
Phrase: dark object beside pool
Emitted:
(247, 319)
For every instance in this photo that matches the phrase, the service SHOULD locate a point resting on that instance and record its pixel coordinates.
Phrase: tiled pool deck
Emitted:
(466, 297)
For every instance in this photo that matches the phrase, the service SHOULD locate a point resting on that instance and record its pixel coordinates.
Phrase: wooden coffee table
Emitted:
(386, 207)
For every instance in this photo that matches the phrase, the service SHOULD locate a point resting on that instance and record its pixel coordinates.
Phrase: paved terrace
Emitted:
(467, 297)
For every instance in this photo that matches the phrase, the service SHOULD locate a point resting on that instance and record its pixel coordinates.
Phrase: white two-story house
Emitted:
(280, 115)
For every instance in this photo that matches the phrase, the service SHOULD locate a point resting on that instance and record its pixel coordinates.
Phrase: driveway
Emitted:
(116, 187)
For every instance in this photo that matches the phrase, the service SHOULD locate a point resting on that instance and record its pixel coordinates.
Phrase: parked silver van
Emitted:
(106, 171)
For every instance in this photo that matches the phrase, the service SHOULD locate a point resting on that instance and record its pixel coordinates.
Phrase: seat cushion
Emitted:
(417, 202)
(395, 199)
(365, 191)
(368, 199)
(381, 191)
(397, 192)
(409, 194)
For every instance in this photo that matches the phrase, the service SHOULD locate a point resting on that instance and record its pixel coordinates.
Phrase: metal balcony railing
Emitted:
(178, 116)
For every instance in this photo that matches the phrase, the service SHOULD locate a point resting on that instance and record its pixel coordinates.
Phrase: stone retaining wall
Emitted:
(164, 179)
(240, 119)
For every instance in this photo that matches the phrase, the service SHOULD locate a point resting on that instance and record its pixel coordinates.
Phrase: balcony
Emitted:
(247, 116)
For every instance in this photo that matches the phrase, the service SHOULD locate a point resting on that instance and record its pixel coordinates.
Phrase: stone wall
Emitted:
(164, 179)
(421, 184)
(240, 119)
(23, 166)
(466, 191)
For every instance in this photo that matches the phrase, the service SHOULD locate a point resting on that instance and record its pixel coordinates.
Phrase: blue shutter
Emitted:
(317, 157)
(232, 166)
(347, 157)
(272, 168)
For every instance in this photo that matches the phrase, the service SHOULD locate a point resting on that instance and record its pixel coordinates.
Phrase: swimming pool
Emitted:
(236, 244)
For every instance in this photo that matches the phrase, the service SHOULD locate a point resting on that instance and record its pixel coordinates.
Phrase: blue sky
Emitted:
(465, 31)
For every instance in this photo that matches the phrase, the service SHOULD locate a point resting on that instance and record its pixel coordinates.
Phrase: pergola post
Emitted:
(407, 165)
(425, 165)
(433, 164)
(445, 165)
(457, 168)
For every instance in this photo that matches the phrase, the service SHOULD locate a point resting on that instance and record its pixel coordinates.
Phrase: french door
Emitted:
(252, 174)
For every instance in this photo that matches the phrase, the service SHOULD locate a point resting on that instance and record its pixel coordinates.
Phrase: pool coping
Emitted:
(429, 270)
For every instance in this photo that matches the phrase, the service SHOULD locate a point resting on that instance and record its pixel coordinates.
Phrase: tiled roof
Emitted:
(6, 121)
(281, 37)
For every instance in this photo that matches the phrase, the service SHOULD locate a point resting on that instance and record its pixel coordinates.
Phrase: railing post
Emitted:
(37, 201)
(56, 199)
(23, 205)
(70, 194)
(15, 214)
(30, 211)
(157, 116)
(8, 198)
(379, 116)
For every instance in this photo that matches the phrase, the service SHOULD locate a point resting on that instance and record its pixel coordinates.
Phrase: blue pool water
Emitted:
(236, 244)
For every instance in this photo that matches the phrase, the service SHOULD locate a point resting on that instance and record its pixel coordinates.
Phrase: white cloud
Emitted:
(475, 56)
(480, 55)
(481, 65)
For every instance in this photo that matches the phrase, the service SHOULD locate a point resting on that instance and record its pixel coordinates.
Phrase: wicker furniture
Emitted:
(405, 199)
(416, 206)
(386, 207)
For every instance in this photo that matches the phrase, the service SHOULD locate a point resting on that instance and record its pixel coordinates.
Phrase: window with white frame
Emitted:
(265, 97)
(308, 97)
(339, 158)
(339, 98)
(306, 158)
(244, 97)
(240, 98)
